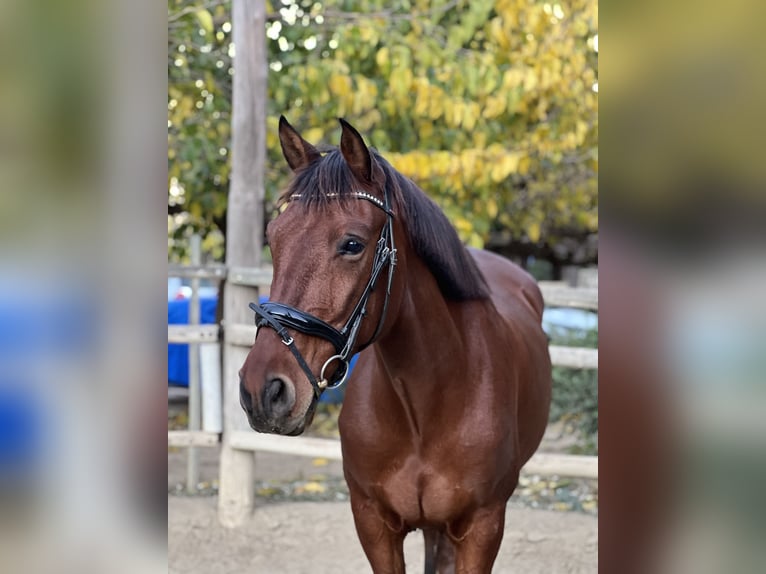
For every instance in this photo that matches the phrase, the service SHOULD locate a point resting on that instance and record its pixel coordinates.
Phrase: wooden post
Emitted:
(244, 235)
(195, 419)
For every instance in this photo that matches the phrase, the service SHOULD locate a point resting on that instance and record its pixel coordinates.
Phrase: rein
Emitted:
(280, 316)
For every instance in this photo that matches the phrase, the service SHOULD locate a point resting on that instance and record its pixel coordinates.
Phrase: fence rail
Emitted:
(557, 294)
(187, 438)
(573, 357)
(193, 333)
(247, 276)
(541, 463)
(197, 271)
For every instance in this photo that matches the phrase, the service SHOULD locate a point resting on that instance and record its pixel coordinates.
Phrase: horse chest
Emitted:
(420, 495)
(418, 491)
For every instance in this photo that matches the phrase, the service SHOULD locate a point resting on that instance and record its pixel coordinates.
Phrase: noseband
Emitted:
(282, 317)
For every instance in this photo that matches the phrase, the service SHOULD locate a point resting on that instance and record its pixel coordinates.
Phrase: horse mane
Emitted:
(431, 234)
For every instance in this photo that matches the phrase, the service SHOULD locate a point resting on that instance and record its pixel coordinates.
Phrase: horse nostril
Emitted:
(245, 398)
(278, 397)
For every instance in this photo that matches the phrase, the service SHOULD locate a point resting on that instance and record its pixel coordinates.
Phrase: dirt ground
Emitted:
(319, 537)
(299, 537)
(290, 536)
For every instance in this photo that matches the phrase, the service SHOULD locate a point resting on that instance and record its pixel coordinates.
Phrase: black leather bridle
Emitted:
(282, 317)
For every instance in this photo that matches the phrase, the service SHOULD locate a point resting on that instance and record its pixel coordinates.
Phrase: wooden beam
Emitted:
(240, 335)
(295, 445)
(185, 438)
(194, 404)
(557, 294)
(251, 276)
(197, 271)
(575, 466)
(574, 357)
(540, 463)
(193, 333)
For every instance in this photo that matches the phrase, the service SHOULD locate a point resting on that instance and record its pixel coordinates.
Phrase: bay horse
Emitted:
(450, 395)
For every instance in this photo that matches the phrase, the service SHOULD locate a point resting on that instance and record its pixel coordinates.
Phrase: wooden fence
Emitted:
(236, 470)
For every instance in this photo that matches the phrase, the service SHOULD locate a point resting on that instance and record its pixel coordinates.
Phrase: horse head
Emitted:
(334, 254)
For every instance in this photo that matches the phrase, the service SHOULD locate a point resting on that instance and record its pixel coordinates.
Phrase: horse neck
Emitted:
(422, 355)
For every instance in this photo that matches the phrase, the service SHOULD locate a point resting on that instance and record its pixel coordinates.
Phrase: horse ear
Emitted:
(297, 151)
(355, 152)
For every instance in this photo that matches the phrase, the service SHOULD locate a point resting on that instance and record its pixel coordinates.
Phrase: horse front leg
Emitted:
(477, 540)
(382, 541)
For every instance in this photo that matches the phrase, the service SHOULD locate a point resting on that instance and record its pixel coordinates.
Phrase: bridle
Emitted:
(281, 317)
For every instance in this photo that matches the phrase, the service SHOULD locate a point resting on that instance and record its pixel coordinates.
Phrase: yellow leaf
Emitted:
(463, 226)
(470, 115)
(498, 34)
(426, 130)
(440, 163)
(505, 166)
(530, 80)
(533, 231)
(320, 462)
(405, 164)
(492, 208)
(494, 106)
(340, 85)
(512, 78)
(368, 35)
(524, 165)
(381, 58)
(422, 98)
(423, 166)
(205, 20)
(268, 491)
(435, 108)
(313, 134)
(313, 487)
(475, 240)
(400, 82)
(457, 113)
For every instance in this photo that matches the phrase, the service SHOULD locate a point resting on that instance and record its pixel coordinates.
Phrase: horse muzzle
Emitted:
(273, 413)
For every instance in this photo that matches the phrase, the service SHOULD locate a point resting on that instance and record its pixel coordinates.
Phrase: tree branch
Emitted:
(387, 14)
(192, 9)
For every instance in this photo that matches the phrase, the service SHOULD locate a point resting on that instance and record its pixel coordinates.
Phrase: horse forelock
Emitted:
(328, 178)
(431, 234)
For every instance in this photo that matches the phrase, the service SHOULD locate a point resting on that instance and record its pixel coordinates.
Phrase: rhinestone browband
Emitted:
(359, 194)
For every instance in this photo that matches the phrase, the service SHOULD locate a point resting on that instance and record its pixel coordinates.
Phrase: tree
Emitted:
(199, 116)
(491, 106)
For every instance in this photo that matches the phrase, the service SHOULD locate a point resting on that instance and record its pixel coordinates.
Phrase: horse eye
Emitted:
(350, 246)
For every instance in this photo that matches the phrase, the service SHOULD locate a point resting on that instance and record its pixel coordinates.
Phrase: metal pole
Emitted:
(195, 418)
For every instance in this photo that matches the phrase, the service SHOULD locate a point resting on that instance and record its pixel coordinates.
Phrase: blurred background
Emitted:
(87, 115)
(82, 260)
